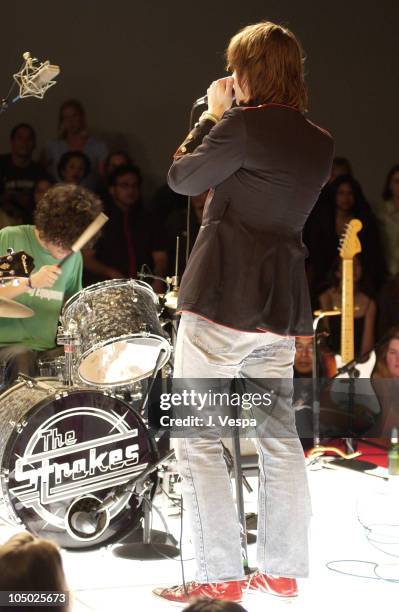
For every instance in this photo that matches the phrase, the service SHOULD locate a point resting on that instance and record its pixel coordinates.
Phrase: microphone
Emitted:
(201, 101)
(35, 79)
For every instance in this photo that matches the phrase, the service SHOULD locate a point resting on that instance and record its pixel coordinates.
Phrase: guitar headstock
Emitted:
(15, 265)
(349, 241)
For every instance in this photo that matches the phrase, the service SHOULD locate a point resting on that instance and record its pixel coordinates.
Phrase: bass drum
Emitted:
(64, 448)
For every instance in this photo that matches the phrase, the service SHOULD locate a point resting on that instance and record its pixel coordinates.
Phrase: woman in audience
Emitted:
(387, 357)
(388, 218)
(32, 564)
(345, 202)
(385, 381)
(74, 136)
(364, 314)
(74, 167)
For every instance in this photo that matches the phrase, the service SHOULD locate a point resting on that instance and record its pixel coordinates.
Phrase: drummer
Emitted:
(61, 216)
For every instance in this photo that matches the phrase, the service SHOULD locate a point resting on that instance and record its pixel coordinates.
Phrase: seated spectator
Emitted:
(345, 201)
(385, 380)
(11, 213)
(74, 136)
(176, 226)
(388, 306)
(114, 160)
(387, 357)
(74, 167)
(388, 218)
(41, 187)
(340, 166)
(31, 564)
(18, 171)
(303, 361)
(364, 314)
(131, 239)
(214, 605)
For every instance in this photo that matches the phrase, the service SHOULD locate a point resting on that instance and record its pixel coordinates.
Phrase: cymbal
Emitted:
(14, 310)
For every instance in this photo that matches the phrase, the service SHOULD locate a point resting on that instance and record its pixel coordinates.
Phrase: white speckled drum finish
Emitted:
(119, 331)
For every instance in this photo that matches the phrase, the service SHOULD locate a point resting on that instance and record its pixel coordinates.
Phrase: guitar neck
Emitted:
(347, 312)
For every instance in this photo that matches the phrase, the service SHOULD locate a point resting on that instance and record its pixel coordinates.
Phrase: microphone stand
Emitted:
(140, 543)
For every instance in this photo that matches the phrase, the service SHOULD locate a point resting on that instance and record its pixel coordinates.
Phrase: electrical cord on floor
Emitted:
(372, 563)
(180, 560)
(370, 534)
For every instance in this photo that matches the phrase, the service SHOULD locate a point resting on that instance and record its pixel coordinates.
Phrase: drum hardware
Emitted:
(70, 340)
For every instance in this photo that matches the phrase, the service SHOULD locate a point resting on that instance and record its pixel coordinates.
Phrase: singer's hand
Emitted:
(220, 96)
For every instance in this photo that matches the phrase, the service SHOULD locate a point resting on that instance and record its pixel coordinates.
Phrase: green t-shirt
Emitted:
(38, 332)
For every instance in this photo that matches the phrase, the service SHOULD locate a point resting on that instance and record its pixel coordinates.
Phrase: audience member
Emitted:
(18, 171)
(40, 189)
(364, 315)
(340, 166)
(387, 356)
(388, 218)
(385, 381)
(388, 306)
(113, 161)
(176, 226)
(32, 564)
(303, 363)
(73, 167)
(11, 213)
(74, 136)
(345, 202)
(214, 605)
(132, 238)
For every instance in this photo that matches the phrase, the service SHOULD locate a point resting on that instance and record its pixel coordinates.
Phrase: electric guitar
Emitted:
(15, 266)
(349, 247)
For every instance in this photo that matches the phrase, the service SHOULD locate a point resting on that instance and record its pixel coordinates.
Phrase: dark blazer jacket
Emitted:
(266, 166)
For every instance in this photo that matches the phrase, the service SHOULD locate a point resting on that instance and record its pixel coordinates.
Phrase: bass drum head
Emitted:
(124, 361)
(74, 445)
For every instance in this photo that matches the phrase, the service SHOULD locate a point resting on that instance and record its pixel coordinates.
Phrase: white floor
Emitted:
(102, 582)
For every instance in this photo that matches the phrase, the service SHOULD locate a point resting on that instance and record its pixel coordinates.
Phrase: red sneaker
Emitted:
(282, 587)
(230, 591)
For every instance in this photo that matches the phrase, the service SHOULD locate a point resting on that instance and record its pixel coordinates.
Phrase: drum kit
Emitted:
(71, 439)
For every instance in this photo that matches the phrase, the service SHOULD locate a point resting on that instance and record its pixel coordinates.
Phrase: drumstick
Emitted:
(87, 235)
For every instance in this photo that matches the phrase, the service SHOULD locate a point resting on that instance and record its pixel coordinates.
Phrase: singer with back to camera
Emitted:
(244, 298)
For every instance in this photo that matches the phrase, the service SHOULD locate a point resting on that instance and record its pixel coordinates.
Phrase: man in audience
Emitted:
(132, 238)
(18, 171)
(60, 218)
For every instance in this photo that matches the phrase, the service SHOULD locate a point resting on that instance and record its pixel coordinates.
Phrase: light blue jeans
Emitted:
(207, 350)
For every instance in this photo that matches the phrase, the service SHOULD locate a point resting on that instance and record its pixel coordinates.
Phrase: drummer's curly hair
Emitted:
(64, 212)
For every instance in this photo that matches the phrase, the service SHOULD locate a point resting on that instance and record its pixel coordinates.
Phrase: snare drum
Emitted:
(119, 332)
(62, 447)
